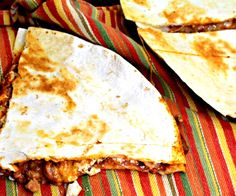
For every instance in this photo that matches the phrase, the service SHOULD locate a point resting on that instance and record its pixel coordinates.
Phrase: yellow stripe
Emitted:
(153, 184)
(203, 148)
(45, 7)
(6, 18)
(54, 190)
(12, 36)
(107, 18)
(61, 12)
(13, 187)
(137, 184)
(116, 182)
(38, 193)
(234, 129)
(224, 147)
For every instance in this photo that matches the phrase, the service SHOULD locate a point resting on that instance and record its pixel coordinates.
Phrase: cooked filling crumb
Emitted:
(5, 95)
(36, 172)
(228, 24)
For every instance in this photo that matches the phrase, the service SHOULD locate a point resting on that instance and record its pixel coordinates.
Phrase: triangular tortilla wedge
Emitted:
(178, 12)
(77, 108)
(205, 61)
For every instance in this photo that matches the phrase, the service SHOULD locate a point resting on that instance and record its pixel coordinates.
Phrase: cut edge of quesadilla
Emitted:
(204, 61)
(77, 108)
(178, 15)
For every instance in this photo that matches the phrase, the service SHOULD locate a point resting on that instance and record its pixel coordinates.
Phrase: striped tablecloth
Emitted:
(211, 158)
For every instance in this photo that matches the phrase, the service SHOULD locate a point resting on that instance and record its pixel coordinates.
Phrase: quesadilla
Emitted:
(77, 108)
(159, 13)
(206, 62)
(195, 39)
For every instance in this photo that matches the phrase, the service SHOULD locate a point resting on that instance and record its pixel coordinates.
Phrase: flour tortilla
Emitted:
(74, 100)
(206, 62)
(178, 12)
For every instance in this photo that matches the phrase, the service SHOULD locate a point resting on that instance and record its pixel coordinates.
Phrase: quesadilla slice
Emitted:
(205, 61)
(77, 108)
(159, 13)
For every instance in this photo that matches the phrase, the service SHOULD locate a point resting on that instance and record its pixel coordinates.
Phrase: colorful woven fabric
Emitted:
(211, 138)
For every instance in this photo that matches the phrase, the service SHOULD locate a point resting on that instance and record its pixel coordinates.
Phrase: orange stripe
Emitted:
(192, 173)
(96, 184)
(126, 183)
(160, 185)
(212, 144)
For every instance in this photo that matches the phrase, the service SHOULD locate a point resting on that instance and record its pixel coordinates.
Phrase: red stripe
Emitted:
(216, 153)
(230, 139)
(46, 190)
(96, 31)
(79, 180)
(105, 182)
(145, 183)
(133, 54)
(71, 18)
(52, 7)
(126, 183)
(41, 14)
(2, 17)
(179, 184)
(22, 191)
(95, 182)
(192, 146)
(112, 19)
(6, 54)
(2, 186)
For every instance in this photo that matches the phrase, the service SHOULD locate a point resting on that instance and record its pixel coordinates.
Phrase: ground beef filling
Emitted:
(34, 173)
(5, 95)
(228, 24)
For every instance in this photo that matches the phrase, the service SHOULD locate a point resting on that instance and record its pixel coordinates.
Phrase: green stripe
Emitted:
(140, 53)
(94, 13)
(86, 185)
(204, 156)
(167, 90)
(11, 188)
(186, 185)
(85, 25)
(113, 181)
(77, 4)
(1, 72)
(105, 36)
(171, 183)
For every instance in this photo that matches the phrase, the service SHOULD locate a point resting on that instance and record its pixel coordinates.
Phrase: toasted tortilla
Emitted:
(178, 12)
(205, 61)
(75, 101)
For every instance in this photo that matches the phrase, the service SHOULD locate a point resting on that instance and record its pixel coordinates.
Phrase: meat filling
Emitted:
(34, 173)
(5, 94)
(228, 24)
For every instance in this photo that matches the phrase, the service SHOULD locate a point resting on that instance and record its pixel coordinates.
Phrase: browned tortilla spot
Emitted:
(93, 127)
(213, 52)
(179, 9)
(141, 2)
(36, 58)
